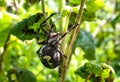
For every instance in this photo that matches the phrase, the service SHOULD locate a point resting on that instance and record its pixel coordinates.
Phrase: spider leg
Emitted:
(52, 37)
(43, 24)
(48, 18)
(50, 32)
(63, 35)
(43, 29)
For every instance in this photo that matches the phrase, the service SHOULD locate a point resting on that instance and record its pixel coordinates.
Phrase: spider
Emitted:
(49, 53)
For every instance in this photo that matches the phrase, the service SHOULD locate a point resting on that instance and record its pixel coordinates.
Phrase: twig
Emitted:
(65, 63)
(3, 54)
(77, 29)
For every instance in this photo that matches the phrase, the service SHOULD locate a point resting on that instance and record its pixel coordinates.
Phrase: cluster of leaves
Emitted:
(21, 75)
(96, 72)
(92, 6)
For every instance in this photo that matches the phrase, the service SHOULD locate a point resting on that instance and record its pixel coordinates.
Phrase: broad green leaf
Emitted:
(99, 72)
(22, 31)
(89, 68)
(21, 75)
(81, 72)
(90, 9)
(108, 72)
(93, 68)
(94, 5)
(25, 76)
(86, 42)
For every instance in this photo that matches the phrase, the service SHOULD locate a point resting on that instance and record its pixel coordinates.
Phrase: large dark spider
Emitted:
(49, 53)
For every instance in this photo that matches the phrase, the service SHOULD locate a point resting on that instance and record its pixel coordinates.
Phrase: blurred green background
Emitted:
(20, 57)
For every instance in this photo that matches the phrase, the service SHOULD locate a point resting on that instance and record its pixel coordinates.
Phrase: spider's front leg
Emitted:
(43, 24)
(47, 32)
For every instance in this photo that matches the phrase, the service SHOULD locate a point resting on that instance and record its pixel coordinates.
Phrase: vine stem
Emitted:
(77, 29)
(65, 63)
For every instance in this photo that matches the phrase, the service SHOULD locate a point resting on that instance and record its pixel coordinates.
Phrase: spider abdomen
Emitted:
(49, 56)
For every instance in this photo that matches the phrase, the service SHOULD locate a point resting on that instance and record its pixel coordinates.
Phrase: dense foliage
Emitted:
(95, 53)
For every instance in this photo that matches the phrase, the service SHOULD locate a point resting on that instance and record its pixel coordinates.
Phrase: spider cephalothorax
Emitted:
(49, 53)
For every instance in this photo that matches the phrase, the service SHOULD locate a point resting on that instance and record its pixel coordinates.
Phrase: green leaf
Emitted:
(22, 31)
(108, 73)
(94, 5)
(93, 68)
(97, 71)
(86, 42)
(89, 68)
(90, 9)
(81, 72)
(25, 76)
(21, 75)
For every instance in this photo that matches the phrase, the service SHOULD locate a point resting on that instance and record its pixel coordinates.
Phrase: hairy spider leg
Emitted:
(63, 35)
(50, 35)
(47, 41)
(43, 24)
